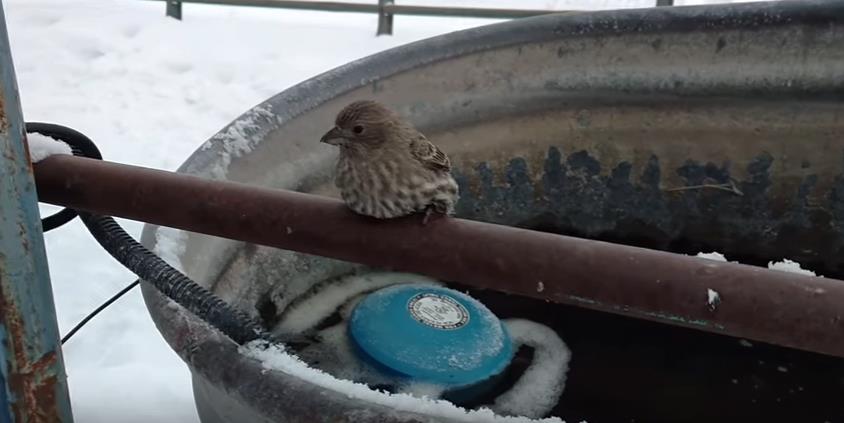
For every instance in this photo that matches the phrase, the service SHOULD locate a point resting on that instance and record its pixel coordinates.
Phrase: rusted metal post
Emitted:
(750, 302)
(385, 19)
(31, 365)
(174, 9)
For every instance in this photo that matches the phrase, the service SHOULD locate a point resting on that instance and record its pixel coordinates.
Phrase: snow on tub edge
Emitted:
(237, 139)
(273, 357)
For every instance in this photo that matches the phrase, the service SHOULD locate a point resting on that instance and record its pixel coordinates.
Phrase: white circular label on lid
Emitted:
(438, 311)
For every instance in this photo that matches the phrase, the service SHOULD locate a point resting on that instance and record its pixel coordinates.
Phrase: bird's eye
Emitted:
(358, 129)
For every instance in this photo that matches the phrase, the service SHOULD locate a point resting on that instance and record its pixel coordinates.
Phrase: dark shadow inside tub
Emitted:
(630, 370)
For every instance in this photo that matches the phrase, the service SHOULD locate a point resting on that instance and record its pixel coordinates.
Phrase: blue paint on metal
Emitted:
(5, 416)
(31, 365)
(5, 404)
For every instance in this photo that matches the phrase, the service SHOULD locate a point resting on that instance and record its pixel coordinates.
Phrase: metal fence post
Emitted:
(31, 365)
(385, 19)
(174, 9)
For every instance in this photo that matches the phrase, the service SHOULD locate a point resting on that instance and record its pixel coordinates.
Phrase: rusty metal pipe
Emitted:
(780, 308)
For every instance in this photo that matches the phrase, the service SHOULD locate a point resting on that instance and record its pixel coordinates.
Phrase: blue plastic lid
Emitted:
(430, 334)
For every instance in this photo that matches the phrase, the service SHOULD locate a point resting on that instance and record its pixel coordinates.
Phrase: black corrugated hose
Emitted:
(233, 323)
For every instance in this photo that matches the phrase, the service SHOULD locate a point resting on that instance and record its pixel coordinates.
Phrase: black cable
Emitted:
(233, 323)
(97, 311)
(78, 142)
(84, 147)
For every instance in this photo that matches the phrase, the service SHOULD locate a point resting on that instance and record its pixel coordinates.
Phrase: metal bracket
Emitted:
(385, 19)
(174, 9)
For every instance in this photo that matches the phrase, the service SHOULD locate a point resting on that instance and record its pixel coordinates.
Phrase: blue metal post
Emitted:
(31, 365)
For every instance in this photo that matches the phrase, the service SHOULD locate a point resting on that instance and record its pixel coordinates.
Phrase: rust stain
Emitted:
(26, 151)
(32, 383)
(4, 122)
(24, 239)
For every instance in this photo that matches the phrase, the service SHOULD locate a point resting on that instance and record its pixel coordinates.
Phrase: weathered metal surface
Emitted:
(385, 19)
(801, 312)
(174, 9)
(469, 12)
(31, 367)
(376, 7)
(683, 129)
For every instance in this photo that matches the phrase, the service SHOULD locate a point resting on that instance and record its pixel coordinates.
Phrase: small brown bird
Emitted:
(386, 167)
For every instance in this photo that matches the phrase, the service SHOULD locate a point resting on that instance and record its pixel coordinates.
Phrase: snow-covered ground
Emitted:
(149, 90)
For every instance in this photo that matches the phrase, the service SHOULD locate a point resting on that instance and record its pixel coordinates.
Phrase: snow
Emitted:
(714, 255)
(237, 140)
(307, 313)
(336, 356)
(539, 389)
(712, 298)
(334, 352)
(42, 146)
(150, 90)
(273, 357)
(787, 265)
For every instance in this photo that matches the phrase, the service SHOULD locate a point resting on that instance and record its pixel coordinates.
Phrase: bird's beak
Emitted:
(333, 137)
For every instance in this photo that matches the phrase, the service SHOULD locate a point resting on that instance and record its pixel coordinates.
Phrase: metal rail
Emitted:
(32, 373)
(780, 308)
(385, 9)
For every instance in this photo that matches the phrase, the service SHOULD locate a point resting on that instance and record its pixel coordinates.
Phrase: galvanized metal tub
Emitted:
(684, 129)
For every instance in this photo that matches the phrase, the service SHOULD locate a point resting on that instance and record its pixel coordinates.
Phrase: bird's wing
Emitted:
(429, 154)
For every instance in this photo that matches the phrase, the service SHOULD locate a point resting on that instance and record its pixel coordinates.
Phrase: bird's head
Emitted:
(363, 124)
